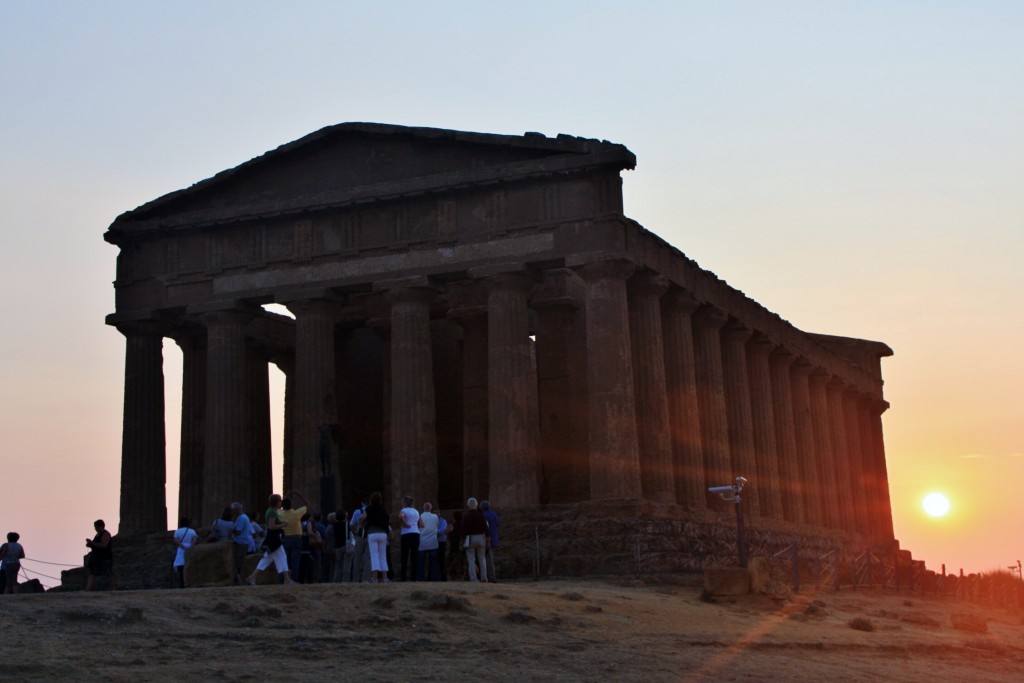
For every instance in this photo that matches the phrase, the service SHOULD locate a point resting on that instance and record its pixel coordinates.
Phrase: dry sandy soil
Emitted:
(549, 631)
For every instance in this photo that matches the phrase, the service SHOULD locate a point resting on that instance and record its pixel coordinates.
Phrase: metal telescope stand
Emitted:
(732, 494)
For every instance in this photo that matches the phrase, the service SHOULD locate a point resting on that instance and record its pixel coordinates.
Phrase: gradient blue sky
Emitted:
(856, 167)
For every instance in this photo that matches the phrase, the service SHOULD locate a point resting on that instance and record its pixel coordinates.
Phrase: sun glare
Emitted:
(935, 505)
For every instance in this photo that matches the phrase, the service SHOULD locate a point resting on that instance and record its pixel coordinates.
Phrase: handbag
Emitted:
(273, 540)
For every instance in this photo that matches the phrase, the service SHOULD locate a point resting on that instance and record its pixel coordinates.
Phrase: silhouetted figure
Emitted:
(11, 555)
(101, 556)
(359, 559)
(220, 530)
(291, 516)
(240, 537)
(273, 544)
(410, 541)
(376, 523)
(184, 538)
(474, 534)
(456, 570)
(429, 568)
(492, 538)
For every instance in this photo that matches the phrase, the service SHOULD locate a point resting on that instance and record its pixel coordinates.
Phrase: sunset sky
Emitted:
(856, 167)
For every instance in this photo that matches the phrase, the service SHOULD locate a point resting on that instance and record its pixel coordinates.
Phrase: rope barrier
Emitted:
(55, 564)
(38, 574)
(29, 571)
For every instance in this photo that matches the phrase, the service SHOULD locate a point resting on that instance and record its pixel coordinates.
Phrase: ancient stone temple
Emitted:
(473, 315)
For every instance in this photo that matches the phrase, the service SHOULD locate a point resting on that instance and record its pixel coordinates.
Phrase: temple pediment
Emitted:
(358, 163)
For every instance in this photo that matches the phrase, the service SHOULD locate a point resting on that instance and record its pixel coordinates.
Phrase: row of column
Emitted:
(225, 421)
(731, 402)
(628, 388)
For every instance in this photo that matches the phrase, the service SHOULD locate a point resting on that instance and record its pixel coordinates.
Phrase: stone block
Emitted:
(209, 564)
(31, 586)
(725, 581)
(74, 579)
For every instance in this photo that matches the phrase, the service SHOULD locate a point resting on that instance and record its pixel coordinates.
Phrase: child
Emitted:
(11, 555)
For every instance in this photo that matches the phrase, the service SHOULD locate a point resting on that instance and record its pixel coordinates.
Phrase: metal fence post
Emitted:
(839, 568)
(536, 553)
(795, 577)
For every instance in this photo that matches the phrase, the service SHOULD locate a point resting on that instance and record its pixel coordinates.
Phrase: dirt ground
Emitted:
(548, 631)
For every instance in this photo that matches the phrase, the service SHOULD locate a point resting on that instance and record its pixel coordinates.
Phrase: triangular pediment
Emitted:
(363, 162)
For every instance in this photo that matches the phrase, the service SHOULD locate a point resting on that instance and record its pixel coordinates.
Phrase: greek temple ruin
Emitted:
(474, 314)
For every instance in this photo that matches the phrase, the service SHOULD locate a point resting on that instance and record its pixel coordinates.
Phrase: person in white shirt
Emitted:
(429, 561)
(184, 538)
(410, 546)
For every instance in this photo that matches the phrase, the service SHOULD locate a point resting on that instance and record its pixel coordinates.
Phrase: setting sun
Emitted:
(935, 505)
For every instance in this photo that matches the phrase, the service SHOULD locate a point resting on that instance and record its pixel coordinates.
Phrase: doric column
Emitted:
(882, 508)
(763, 415)
(257, 418)
(193, 424)
(315, 399)
(143, 440)
(226, 473)
(810, 478)
(855, 455)
(823, 448)
(657, 473)
(837, 427)
(412, 443)
(562, 387)
(380, 324)
(614, 450)
(714, 424)
(469, 309)
(865, 410)
(360, 384)
(677, 309)
(446, 347)
(740, 418)
(513, 431)
(794, 503)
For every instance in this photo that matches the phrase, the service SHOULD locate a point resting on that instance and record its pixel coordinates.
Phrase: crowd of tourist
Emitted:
(308, 547)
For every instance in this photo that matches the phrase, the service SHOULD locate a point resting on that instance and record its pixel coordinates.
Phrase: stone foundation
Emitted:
(636, 537)
(594, 538)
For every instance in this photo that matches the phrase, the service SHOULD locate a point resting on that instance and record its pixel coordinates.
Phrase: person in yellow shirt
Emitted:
(292, 519)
